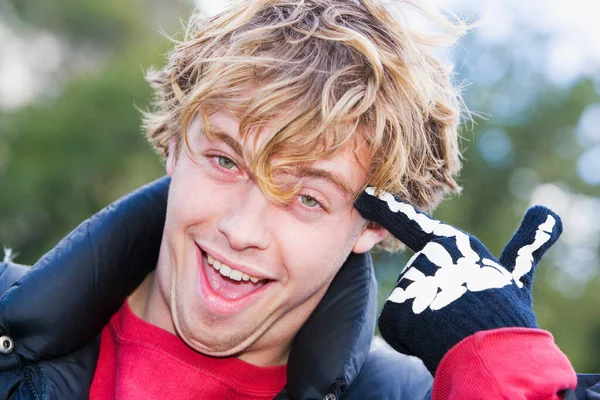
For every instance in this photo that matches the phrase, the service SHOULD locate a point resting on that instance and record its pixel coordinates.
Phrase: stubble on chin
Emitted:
(214, 340)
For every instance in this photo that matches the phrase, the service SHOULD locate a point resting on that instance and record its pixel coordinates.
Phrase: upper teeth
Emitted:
(229, 272)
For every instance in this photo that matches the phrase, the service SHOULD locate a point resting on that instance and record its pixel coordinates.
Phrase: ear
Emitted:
(171, 157)
(371, 235)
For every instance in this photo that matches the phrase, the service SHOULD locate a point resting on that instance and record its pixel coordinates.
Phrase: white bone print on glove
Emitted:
(470, 272)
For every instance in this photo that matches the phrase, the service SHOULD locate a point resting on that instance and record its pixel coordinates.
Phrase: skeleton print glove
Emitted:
(453, 287)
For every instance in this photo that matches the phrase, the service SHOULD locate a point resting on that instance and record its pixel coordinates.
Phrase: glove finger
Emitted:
(407, 223)
(538, 231)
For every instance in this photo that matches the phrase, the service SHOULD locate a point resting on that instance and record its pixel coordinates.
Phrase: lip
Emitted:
(219, 305)
(242, 268)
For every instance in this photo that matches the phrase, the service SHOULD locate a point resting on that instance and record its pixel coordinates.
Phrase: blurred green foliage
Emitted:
(66, 158)
(98, 22)
(63, 159)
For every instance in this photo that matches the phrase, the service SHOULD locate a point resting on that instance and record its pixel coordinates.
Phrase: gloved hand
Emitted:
(453, 287)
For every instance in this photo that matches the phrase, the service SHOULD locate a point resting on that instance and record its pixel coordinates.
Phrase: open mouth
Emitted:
(227, 283)
(232, 274)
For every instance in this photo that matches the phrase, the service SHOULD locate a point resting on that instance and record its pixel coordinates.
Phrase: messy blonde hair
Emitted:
(320, 74)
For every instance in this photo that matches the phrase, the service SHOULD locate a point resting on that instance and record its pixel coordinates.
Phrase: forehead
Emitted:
(349, 164)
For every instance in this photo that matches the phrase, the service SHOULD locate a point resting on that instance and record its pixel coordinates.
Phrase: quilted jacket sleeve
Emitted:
(389, 375)
(588, 388)
(9, 274)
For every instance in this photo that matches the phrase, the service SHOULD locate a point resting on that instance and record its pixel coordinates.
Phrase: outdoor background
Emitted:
(71, 77)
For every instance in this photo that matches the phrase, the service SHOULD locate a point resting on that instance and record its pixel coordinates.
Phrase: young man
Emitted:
(273, 117)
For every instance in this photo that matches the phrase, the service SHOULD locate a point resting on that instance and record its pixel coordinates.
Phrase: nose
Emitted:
(245, 223)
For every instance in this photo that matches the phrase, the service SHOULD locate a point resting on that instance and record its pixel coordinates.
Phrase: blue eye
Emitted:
(225, 162)
(309, 201)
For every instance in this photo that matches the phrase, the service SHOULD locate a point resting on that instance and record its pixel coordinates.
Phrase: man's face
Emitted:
(239, 272)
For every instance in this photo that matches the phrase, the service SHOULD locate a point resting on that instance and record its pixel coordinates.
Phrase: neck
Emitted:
(147, 303)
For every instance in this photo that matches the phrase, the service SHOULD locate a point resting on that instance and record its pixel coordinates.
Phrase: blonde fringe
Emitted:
(321, 73)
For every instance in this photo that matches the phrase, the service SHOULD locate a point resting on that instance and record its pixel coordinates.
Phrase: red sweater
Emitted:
(509, 363)
(141, 361)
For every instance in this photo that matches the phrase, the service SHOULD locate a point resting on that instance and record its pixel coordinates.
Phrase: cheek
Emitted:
(315, 253)
(193, 196)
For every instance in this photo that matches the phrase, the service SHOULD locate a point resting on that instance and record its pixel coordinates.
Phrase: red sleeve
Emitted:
(508, 363)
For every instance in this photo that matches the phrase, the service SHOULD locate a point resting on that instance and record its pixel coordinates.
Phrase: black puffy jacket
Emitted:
(52, 313)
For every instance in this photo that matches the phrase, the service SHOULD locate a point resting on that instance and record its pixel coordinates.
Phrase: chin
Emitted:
(221, 346)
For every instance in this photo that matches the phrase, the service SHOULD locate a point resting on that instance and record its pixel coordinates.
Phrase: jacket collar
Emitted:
(71, 293)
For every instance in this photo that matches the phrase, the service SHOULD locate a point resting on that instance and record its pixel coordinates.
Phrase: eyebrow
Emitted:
(307, 172)
(228, 140)
(301, 171)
